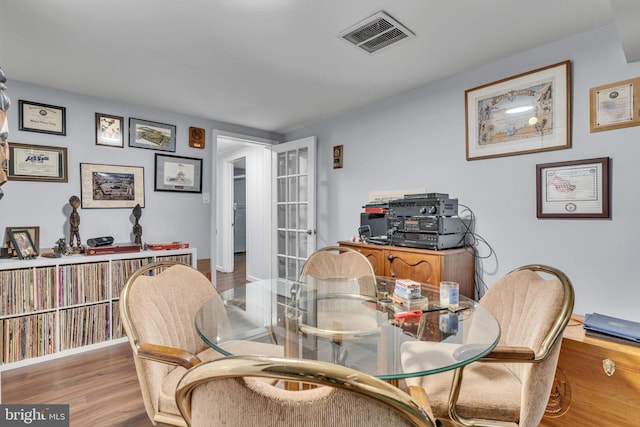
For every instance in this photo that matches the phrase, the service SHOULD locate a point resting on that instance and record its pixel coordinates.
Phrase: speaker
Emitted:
(100, 241)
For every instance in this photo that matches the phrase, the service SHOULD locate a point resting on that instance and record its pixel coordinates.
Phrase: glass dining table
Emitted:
(336, 322)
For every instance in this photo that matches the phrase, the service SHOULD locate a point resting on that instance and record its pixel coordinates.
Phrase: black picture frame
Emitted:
(152, 135)
(23, 244)
(42, 118)
(109, 130)
(179, 174)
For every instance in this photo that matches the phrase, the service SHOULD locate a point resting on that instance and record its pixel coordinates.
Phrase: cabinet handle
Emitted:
(609, 367)
(390, 257)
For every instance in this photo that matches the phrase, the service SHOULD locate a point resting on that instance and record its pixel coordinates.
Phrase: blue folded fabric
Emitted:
(612, 326)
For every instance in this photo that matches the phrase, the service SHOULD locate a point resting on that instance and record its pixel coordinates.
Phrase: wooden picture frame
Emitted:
(152, 135)
(180, 174)
(109, 130)
(615, 105)
(43, 118)
(23, 242)
(574, 189)
(37, 163)
(110, 186)
(526, 113)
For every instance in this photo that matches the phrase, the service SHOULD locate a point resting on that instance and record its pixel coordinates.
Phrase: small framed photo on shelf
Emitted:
(109, 130)
(152, 135)
(615, 106)
(22, 243)
(44, 118)
(526, 113)
(180, 174)
(109, 186)
(34, 233)
(37, 163)
(574, 189)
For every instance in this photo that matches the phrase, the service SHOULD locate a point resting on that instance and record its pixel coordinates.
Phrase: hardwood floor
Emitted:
(100, 386)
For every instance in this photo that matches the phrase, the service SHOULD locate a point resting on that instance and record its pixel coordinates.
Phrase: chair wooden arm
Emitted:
(171, 355)
(505, 353)
(420, 396)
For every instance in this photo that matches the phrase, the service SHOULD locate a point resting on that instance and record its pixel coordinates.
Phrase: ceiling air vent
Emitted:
(376, 32)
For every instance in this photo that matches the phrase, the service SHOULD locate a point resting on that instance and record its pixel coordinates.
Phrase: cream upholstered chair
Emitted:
(335, 270)
(158, 304)
(510, 386)
(226, 392)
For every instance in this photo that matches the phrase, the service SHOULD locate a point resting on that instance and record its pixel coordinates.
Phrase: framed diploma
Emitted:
(37, 163)
(34, 117)
(526, 113)
(615, 105)
(575, 189)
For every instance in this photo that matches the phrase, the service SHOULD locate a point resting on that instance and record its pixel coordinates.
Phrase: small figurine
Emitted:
(61, 247)
(137, 228)
(5, 103)
(74, 225)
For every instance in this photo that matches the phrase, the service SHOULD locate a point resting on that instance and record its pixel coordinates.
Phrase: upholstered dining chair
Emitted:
(158, 304)
(226, 392)
(335, 270)
(511, 385)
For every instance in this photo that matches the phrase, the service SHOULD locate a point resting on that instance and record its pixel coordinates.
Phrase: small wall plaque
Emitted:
(337, 157)
(196, 137)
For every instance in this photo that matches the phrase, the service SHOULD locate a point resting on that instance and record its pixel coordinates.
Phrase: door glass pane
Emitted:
(303, 158)
(282, 267)
(293, 194)
(291, 243)
(282, 216)
(282, 189)
(302, 213)
(302, 245)
(303, 187)
(292, 164)
(282, 243)
(292, 272)
(282, 164)
(292, 217)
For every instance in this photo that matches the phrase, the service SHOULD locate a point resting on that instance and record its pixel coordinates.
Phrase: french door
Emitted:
(294, 205)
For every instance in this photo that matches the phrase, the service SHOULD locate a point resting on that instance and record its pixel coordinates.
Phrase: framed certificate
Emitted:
(37, 163)
(575, 189)
(35, 117)
(615, 105)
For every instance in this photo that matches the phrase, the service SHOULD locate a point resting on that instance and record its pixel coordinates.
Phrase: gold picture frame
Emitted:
(526, 113)
(615, 105)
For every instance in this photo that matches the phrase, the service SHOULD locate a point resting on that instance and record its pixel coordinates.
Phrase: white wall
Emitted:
(418, 140)
(167, 216)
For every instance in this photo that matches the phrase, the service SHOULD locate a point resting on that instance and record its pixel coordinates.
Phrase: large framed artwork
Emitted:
(574, 189)
(152, 135)
(37, 163)
(526, 113)
(109, 186)
(181, 174)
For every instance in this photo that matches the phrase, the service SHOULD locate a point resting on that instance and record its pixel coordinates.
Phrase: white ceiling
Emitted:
(275, 65)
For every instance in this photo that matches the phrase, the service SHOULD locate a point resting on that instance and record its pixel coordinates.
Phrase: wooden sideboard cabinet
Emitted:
(421, 265)
(597, 382)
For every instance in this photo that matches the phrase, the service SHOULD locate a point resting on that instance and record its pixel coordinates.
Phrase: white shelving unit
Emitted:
(51, 307)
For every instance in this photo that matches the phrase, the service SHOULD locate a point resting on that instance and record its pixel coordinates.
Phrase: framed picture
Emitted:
(526, 113)
(37, 163)
(109, 186)
(34, 234)
(109, 130)
(182, 174)
(22, 244)
(575, 189)
(35, 117)
(615, 106)
(153, 135)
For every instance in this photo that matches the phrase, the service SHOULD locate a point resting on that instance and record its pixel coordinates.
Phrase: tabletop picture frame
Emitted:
(109, 130)
(37, 163)
(22, 243)
(573, 189)
(111, 186)
(34, 234)
(43, 118)
(152, 135)
(179, 174)
(526, 113)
